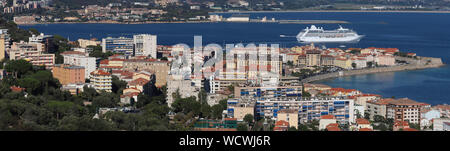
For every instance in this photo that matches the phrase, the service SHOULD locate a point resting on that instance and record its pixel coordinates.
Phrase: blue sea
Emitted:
(427, 34)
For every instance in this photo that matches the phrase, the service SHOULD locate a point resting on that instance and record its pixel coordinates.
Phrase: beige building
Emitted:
(33, 52)
(343, 63)
(101, 80)
(313, 58)
(289, 115)
(325, 120)
(160, 68)
(185, 88)
(241, 110)
(377, 107)
(2, 47)
(84, 43)
(363, 98)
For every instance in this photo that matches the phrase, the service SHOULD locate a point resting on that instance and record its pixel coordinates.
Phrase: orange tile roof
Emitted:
(139, 81)
(230, 119)
(100, 72)
(17, 89)
(362, 121)
(410, 129)
(333, 129)
(131, 94)
(282, 123)
(442, 107)
(365, 129)
(405, 101)
(327, 117)
(401, 123)
(104, 61)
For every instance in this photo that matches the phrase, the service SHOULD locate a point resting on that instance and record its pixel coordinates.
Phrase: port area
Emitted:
(412, 64)
(297, 21)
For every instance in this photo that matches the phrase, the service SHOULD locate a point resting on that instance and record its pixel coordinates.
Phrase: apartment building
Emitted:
(185, 87)
(145, 45)
(377, 107)
(289, 115)
(120, 45)
(326, 120)
(80, 59)
(83, 43)
(101, 80)
(69, 74)
(268, 92)
(32, 52)
(309, 109)
(405, 109)
(2, 47)
(159, 67)
(238, 110)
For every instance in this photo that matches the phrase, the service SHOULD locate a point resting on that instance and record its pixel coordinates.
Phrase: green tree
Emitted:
(30, 84)
(18, 67)
(216, 111)
(249, 119)
(118, 85)
(242, 127)
(292, 128)
(105, 100)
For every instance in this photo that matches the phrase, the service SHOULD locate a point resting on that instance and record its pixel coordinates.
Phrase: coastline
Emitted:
(422, 63)
(283, 11)
(338, 11)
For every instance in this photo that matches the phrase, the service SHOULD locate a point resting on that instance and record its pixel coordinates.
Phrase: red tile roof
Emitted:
(365, 129)
(17, 89)
(100, 72)
(327, 117)
(131, 94)
(333, 127)
(230, 119)
(410, 129)
(139, 81)
(282, 123)
(401, 123)
(362, 121)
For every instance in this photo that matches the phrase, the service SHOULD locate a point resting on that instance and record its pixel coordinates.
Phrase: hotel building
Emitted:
(101, 80)
(69, 74)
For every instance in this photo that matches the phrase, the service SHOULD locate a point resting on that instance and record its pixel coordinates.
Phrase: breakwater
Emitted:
(413, 64)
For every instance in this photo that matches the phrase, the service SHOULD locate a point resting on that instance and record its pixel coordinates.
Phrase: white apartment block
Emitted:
(185, 87)
(145, 45)
(80, 60)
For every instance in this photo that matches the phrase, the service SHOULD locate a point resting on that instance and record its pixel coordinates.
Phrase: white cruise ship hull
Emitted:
(330, 39)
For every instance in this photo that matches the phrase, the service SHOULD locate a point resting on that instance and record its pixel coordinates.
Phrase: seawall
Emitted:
(414, 64)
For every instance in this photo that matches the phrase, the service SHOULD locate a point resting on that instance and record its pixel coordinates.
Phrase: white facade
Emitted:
(185, 87)
(323, 123)
(145, 45)
(438, 124)
(88, 63)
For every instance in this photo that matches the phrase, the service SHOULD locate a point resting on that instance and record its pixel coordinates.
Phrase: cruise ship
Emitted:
(318, 35)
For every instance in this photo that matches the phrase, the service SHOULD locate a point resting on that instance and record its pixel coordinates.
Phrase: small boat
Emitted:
(282, 35)
(342, 46)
